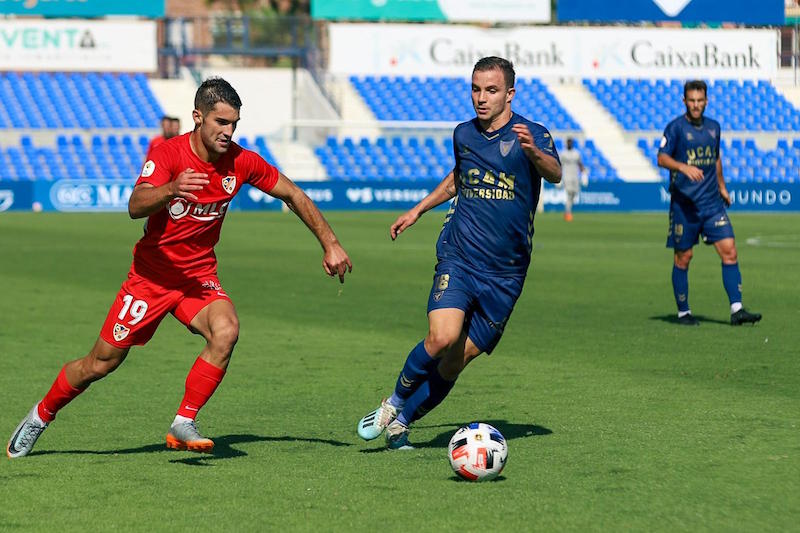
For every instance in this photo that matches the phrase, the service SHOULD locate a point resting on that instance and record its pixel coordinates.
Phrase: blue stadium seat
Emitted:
(417, 158)
(738, 106)
(745, 162)
(431, 99)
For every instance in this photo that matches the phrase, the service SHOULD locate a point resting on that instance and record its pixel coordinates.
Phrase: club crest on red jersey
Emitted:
(120, 332)
(229, 184)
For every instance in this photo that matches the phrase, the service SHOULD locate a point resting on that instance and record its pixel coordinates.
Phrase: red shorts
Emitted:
(141, 305)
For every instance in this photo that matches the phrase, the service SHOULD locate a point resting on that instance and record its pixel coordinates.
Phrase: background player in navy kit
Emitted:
(483, 250)
(690, 151)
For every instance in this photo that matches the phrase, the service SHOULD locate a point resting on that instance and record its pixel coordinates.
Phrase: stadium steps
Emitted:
(354, 110)
(176, 97)
(297, 160)
(790, 92)
(599, 125)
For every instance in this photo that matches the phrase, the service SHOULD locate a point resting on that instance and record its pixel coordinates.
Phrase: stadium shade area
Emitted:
(743, 161)
(420, 159)
(77, 100)
(737, 105)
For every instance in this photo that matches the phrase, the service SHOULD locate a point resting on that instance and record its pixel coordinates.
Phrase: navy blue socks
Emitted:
(417, 369)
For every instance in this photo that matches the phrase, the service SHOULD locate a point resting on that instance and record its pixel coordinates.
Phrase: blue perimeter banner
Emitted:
(83, 8)
(761, 13)
(112, 195)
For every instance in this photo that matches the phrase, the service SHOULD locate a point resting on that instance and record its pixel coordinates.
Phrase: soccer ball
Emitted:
(477, 452)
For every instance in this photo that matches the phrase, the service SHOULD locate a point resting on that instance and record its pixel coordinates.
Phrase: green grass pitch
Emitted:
(616, 417)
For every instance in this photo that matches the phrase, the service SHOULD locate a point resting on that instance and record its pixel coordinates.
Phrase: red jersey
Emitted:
(178, 242)
(154, 142)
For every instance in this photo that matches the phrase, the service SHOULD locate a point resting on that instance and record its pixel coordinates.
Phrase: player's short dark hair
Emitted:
(695, 85)
(215, 90)
(494, 62)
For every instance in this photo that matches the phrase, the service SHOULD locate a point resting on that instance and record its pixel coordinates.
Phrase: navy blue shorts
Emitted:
(487, 300)
(686, 226)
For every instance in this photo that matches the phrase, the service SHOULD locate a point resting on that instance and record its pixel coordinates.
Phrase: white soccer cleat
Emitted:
(372, 425)
(26, 434)
(397, 436)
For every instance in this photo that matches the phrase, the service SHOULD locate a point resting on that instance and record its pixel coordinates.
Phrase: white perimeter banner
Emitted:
(78, 45)
(452, 50)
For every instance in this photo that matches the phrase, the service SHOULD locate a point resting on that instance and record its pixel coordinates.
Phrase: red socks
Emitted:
(201, 383)
(59, 395)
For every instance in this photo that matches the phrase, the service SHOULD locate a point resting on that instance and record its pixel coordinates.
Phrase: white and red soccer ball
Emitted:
(477, 452)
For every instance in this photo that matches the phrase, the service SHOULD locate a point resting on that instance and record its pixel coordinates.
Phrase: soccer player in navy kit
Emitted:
(690, 151)
(483, 250)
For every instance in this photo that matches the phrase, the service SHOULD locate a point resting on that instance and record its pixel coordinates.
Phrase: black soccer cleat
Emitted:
(688, 320)
(743, 316)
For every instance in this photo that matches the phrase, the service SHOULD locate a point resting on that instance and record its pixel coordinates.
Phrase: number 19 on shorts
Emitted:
(137, 309)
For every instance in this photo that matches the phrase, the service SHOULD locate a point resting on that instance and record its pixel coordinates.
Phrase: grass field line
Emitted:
(782, 241)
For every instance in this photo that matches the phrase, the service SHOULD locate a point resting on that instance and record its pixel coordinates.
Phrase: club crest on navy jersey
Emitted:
(506, 146)
(229, 184)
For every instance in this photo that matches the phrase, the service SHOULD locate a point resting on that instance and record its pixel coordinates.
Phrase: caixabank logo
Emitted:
(762, 13)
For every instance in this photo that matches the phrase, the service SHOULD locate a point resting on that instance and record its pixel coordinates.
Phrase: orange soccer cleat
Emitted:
(185, 436)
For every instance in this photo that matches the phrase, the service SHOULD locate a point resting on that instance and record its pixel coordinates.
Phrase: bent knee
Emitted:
(437, 343)
(100, 368)
(225, 335)
(729, 257)
(683, 258)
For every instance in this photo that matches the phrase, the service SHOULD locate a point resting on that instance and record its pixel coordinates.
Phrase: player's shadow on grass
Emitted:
(223, 448)
(509, 430)
(673, 319)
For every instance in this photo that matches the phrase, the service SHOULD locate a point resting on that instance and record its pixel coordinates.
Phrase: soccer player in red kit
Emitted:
(184, 190)
(170, 127)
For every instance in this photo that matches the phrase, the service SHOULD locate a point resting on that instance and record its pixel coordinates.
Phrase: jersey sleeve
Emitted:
(455, 153)
(544, 141)
(669, 140)
(261, 175)
(159, 168)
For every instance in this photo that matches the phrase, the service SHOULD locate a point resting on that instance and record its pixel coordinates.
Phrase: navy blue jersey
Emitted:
(490, 225)
(697, 146)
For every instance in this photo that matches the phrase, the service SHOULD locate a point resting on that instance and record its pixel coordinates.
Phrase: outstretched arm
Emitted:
(335, 261)
(442, 193)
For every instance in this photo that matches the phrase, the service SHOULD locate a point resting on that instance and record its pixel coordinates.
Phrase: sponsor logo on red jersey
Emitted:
(180, 207)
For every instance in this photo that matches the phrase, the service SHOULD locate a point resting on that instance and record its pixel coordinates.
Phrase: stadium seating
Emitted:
(743, 161)
(413, 158)
(105, 157)
(431, 99)
(77, 100)
(737, 105)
